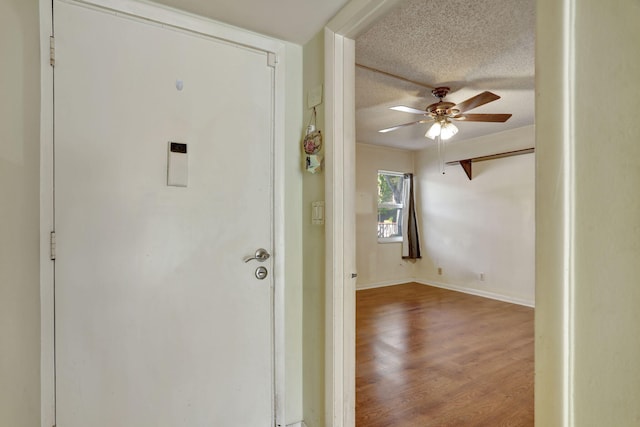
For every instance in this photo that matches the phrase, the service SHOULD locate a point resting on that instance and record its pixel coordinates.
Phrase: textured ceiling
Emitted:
(470, 46)
(296, 21)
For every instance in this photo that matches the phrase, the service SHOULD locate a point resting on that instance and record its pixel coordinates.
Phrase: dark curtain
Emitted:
(410, 235)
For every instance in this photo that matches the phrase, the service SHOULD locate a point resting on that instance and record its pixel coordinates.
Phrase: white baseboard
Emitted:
(479, 293)
(394, 282)
(298, 424)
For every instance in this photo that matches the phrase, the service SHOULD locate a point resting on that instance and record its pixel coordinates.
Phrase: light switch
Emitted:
(317, 213)
(177, 165)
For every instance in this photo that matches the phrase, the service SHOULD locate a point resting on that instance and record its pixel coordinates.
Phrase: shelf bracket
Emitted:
(467, 163)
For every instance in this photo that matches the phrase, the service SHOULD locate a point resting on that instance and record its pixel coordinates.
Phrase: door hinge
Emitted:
(52, 246)
(272, 59)
(52, 51)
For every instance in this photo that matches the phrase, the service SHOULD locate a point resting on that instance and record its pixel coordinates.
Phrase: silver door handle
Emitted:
(261, 255)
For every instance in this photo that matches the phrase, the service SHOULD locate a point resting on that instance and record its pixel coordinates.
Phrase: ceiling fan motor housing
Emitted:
(441, 110)
(440, 92)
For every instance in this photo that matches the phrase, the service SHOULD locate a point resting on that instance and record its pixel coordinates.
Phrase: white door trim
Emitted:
(47, 355)
(340, 33)
(552, 319)
(180, 20)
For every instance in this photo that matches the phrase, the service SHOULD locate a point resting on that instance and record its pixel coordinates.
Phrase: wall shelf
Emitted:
(466, 163)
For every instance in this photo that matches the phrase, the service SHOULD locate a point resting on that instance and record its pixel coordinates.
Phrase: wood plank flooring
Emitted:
(429, 357)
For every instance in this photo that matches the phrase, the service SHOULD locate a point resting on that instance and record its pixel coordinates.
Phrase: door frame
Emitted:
(339, 53)
(554, 257)
(192, 23)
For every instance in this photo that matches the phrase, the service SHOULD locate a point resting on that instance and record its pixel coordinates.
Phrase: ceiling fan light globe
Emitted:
(448, 130)
(433, 131)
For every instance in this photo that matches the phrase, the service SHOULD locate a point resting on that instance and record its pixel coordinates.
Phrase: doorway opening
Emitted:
(341, 39)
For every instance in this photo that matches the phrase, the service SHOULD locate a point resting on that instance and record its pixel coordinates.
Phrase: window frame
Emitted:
(400, 206)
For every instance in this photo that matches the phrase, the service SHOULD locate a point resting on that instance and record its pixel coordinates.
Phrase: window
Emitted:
(390, 205)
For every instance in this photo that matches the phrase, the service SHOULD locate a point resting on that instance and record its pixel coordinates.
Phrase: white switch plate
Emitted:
(317, 213)
(314, 96)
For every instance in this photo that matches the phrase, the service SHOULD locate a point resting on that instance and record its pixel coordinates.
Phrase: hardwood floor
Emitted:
(429, 357)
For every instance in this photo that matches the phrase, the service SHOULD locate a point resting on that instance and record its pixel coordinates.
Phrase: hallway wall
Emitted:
(20, 214)
(467, 228)
(378, 264)
(484, 226)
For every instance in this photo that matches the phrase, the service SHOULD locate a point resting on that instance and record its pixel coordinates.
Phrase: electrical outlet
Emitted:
(439, 271)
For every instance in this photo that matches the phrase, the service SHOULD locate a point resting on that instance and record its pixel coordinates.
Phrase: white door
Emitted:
(158, 319)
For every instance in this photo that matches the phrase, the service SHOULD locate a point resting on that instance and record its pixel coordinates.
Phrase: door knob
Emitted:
(261, 255)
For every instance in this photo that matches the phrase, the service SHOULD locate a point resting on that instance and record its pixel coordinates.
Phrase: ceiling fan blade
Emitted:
(476, 101)
(497, 118)
(392, 128)
(407, 109)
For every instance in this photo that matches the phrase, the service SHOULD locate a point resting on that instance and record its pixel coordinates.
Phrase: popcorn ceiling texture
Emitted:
(470, 46)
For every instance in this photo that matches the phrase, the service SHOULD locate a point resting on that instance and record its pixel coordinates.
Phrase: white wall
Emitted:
(588, 273)
(607, 216)
(378, 264)
(313, 254)
(485, 225)
(19, 214)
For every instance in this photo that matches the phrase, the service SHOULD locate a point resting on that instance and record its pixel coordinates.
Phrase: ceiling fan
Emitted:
(442, 113)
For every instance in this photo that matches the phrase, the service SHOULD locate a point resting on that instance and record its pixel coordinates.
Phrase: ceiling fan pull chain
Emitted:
(441, 150)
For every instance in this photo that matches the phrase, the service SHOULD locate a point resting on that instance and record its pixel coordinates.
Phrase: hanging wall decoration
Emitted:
(312, 145)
